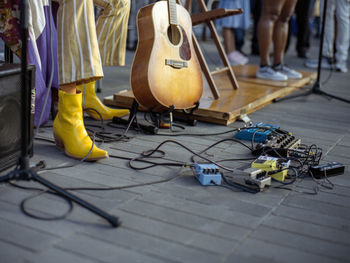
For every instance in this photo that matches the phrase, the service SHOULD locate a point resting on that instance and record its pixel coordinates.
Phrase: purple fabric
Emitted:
(43, 75)
(10, 33)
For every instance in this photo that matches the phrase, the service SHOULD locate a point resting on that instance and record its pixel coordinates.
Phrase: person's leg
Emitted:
(239, 38)
(79, 61)
(328, 39)
(234, 56)
(78, 53)
(342, 39)
(271, 10)
(280, 32)
(111, 28)
(279, 40)
(229, 40)
(69, 88)
(256, 10)
(302, 11)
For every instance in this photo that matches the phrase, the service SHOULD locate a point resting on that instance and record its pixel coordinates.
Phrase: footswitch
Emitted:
(328, 169)
(207, 174)
(257, 177)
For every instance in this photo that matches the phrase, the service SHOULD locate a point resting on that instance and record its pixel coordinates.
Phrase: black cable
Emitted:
(285, 183)
(150, 152)
(176, 174)
(25, 210)
(227, 187)
(240, 186)
(73, 164)
(314, 192)
(152, 164)
(218, 142)
(330, 185)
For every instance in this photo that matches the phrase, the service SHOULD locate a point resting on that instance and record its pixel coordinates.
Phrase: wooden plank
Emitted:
(252, 95)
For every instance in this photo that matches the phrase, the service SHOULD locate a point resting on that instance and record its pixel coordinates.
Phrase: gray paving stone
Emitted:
(218, 196)
(278, 253)
(235, 257)
(329, 198)
(154, 246)
(174, 233)
(61, 228)
(308, 216)
(213, 212)
(26, 237)
(96, 249)
(56, 255)
(186, 220)
(302, 243)
(308, 230)
(13, 253)
(317, 206)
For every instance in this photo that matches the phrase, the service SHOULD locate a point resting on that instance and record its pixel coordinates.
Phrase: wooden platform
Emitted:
(252, 94)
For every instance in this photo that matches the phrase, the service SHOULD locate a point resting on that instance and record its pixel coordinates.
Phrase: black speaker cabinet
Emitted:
(11, 113)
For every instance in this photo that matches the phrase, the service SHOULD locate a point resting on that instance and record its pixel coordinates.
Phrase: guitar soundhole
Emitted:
(174, 35)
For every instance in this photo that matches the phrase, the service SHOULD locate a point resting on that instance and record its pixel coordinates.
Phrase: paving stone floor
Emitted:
(180, 220)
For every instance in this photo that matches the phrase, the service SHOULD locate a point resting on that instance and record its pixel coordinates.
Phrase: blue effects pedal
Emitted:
(207, 174)
(257, 131)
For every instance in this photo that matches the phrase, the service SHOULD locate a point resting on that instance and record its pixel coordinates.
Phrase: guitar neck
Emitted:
(172, 12)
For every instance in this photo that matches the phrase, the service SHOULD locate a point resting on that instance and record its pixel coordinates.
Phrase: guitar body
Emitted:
(165, 71)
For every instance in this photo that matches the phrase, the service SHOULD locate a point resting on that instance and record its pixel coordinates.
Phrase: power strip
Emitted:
(327, 170)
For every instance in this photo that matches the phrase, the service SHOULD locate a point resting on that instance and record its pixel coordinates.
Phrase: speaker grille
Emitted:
(10, 124)
(11, 113)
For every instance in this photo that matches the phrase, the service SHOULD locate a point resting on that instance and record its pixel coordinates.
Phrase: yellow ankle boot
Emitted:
(92, 101)
(69, 130)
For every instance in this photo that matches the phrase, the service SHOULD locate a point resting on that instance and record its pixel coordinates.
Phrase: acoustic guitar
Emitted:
(165, 70)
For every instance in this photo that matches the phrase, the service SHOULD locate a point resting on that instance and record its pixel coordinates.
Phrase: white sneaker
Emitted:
(267, 72)
(313, 63)
(237, 58)
(341, 67)
(290, 73)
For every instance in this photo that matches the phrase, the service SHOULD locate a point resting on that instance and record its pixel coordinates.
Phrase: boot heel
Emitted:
(59, 142)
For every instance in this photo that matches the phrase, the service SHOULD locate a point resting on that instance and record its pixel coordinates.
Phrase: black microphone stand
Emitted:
(316, 89)
(24, 172)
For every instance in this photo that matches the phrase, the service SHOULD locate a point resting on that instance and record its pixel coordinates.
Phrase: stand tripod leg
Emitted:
(113, 220)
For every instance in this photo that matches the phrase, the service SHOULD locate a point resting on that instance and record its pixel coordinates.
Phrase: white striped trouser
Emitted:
(341, 9)
(83, 46)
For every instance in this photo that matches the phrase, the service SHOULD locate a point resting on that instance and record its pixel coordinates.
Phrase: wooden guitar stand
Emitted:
(207, 16)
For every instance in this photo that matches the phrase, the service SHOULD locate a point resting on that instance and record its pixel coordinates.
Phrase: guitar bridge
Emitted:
(176, 64)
